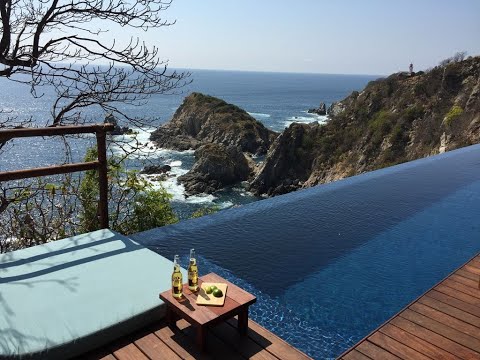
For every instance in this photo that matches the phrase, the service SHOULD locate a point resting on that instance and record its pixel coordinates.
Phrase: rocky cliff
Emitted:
(216, 166)
(203, 119)
(393, 120)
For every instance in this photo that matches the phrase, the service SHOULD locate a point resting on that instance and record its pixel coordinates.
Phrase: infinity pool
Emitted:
(331, 263)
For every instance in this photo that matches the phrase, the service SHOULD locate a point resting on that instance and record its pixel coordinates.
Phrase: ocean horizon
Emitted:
(280, 72)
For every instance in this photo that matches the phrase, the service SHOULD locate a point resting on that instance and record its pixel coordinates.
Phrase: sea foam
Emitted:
(259, 115)
(306, 119)
(138, 146)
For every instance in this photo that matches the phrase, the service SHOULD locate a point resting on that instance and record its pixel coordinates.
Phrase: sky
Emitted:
(317, 36)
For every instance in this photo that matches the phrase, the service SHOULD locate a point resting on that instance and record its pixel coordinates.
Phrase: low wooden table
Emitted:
(237, 302)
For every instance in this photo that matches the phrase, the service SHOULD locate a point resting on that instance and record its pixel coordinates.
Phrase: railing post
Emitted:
(102, 178)
(101, 165)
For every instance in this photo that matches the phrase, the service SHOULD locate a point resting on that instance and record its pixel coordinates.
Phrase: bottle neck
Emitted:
(176, 262)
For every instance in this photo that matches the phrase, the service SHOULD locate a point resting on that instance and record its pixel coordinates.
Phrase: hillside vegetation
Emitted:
(393, 120)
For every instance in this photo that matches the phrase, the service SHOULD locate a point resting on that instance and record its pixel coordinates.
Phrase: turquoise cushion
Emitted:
(66, 297)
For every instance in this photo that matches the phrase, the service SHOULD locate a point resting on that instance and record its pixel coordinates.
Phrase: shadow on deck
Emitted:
(223, 342)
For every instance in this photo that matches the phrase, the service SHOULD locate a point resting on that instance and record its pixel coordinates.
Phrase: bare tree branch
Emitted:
(56, 43)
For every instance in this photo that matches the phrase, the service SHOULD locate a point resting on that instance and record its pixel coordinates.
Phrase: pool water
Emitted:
(331, 263)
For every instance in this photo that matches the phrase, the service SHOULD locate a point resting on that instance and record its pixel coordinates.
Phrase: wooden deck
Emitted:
(444, 323)
(223, 342)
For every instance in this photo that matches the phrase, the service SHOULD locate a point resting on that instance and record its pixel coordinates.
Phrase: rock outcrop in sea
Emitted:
(117, 129)
(393, 120)
(321, 110)
(222, 135)
(216, 166)
(203, 119)
(288, 162)
(156, 169)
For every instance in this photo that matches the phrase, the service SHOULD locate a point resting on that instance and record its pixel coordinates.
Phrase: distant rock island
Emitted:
(321, 110)
(393, 120)
(117, 129)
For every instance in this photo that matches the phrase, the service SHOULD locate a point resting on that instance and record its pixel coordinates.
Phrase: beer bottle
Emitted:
(193, 272)
(177, 279)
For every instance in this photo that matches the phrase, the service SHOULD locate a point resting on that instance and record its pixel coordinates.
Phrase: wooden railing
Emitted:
(100, 130)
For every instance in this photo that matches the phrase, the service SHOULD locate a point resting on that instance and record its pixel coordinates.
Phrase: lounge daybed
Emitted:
(66, 297)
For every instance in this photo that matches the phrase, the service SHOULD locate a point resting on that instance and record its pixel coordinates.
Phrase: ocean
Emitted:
(275, 99)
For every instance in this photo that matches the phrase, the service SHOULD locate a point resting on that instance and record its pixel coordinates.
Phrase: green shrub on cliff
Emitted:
(413, 112)
(205, 211)
(308, 142)
(380, 122)
(227, 108)
(380, 125)
(419, 89)
(453, 114)
(134, 205)
(151, 209)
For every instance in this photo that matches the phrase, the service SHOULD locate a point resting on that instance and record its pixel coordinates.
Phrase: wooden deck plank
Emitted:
(180, 344)
(129, 352)
(475, 263)
(108, 357)
(465, 281)
(242, 344)
(102, 354)
(356, 355)
(375, 352)
(444, 323)
(458, 295)
(442, 329)
(468, 274)
(155, 349)
(125, 349)
(96, 356)
(463, 288)
(471, 269)
(396, 347)
(459, 304)
(451, 310)
(445, 319)
(416, 343)
(271, 342)
(438, 340)
(216, 348)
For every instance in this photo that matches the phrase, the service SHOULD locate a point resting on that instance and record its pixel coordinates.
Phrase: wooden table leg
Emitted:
(201, 337)
(243, 320)
(171, 317)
